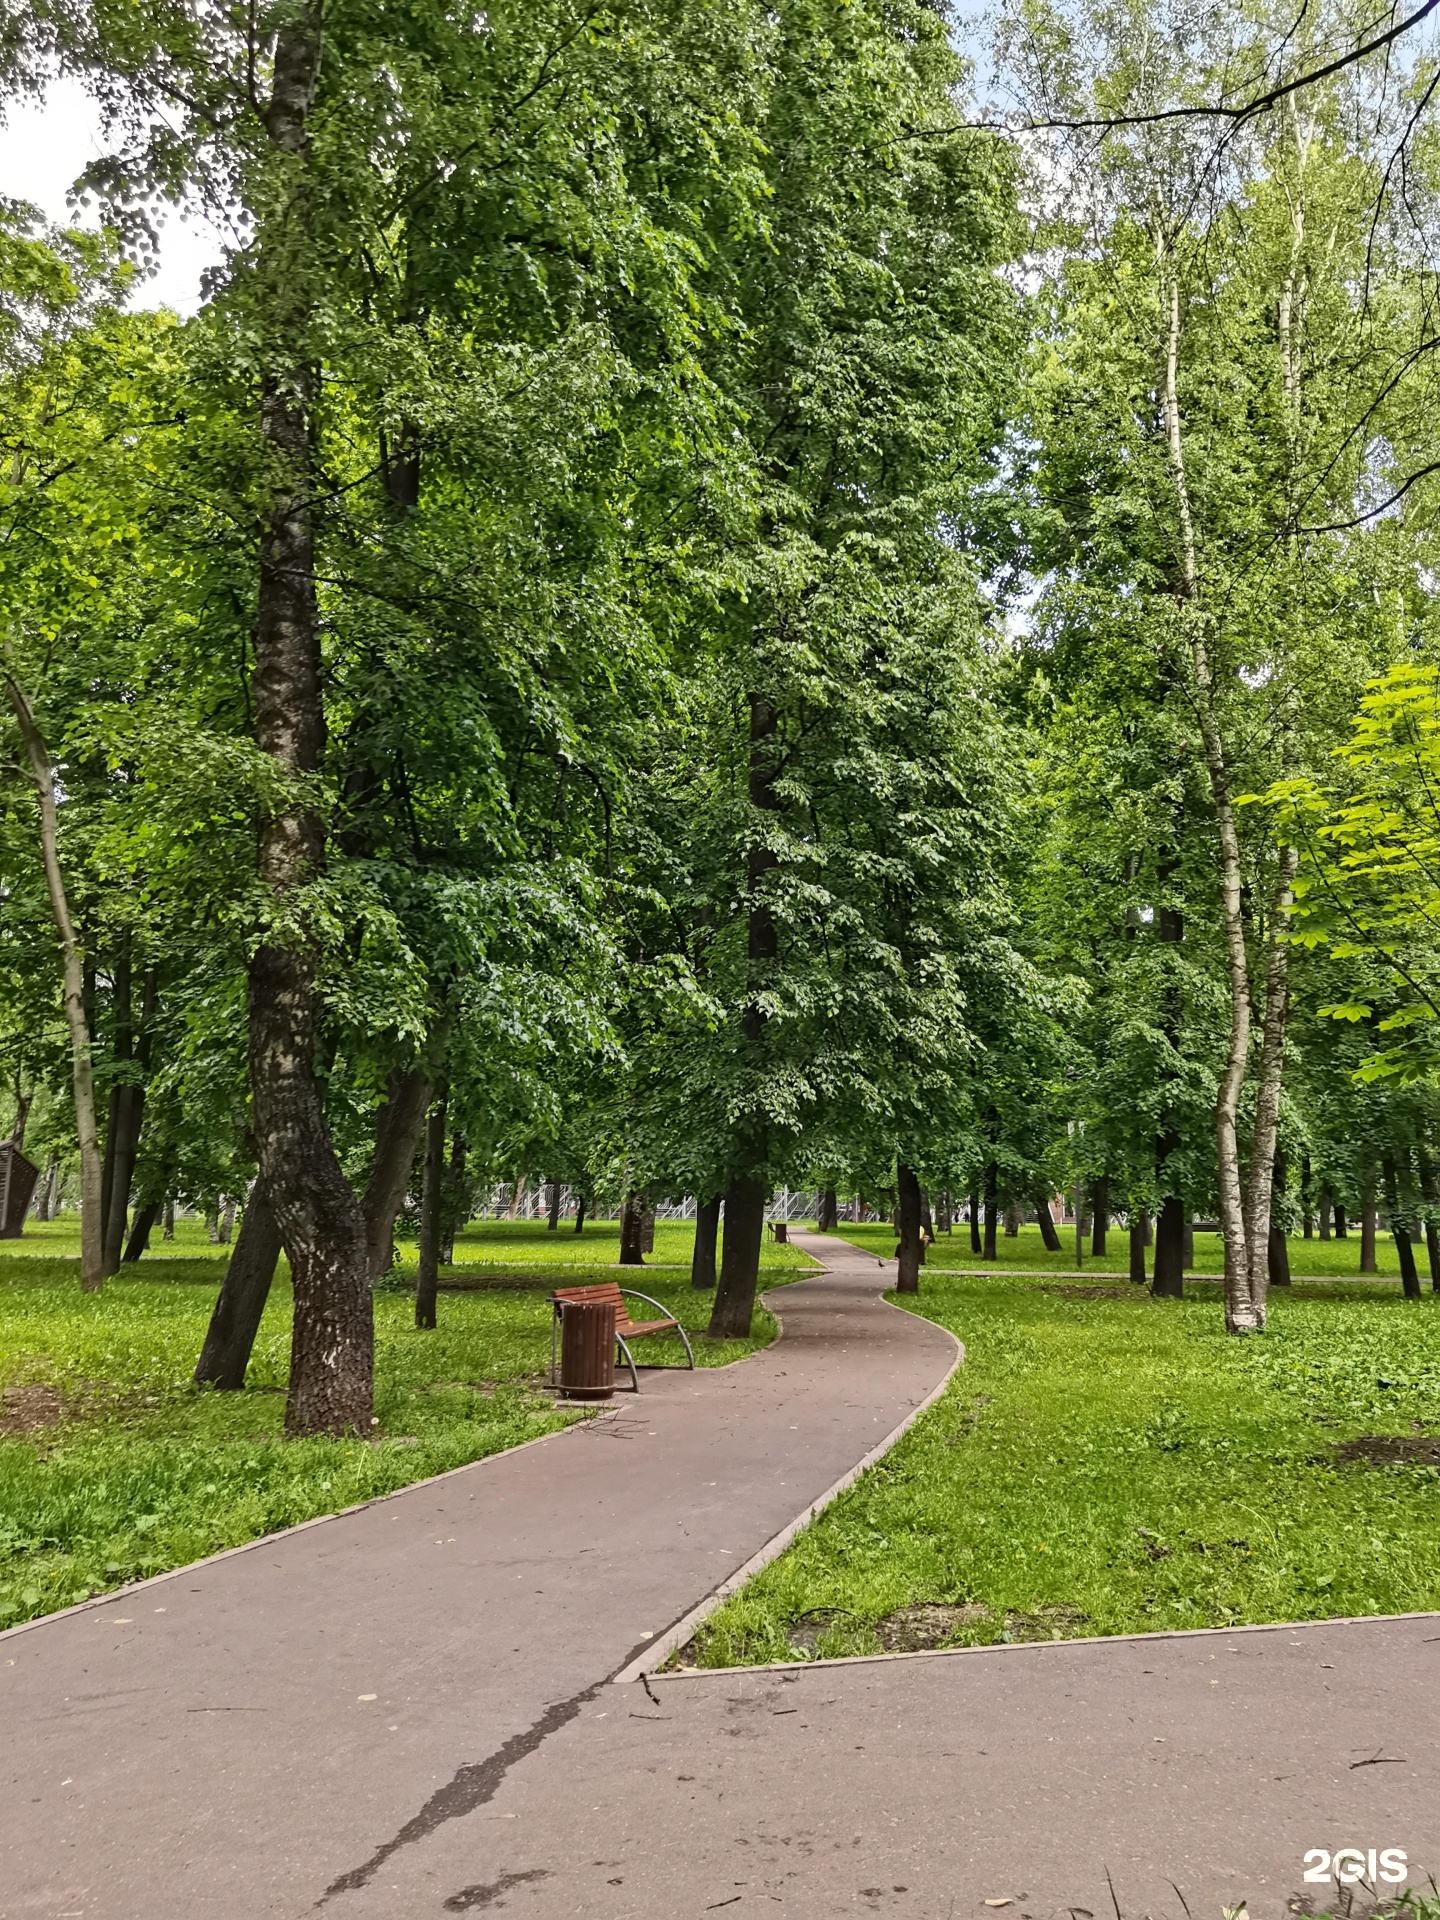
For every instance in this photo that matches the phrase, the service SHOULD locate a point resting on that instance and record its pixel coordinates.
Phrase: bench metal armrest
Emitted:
(630, 1293)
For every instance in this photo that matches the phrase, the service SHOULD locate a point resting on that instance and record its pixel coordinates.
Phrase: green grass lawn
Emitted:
(1115, 1464)
(1318, 1259)
(112, 1466)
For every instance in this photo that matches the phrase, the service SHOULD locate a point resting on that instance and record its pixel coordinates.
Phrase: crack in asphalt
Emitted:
(471, 1786)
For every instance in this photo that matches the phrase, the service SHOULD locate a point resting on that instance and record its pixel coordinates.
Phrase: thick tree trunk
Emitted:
(1100, 1214)
(631, 1222)
(455, 1215)
(552, 1217)
(739, 1260)
(992, 1211)
(1325, 1207)
(1400, 1230)
(427, 1280)
(398, 1125)
(908, 1196)
(1169, 1278)
(1046, 1222)
(92, 1228)
(976, 1243)
(707, 1227)
(1430, 1194)
(243, 1293)
(829, 1212)
(1368, 1262)
(227, 1219)
(1012, 1222)
(1139, 1227)
(169, 1233)
(1342, 1224)
(332, 1349)
(145, 1218)
(581, 1208)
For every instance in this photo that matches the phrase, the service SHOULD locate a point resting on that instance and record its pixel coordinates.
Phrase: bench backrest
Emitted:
(606, 1291)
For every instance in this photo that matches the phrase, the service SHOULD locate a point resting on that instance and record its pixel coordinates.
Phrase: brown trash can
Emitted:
(587, 1349)
(17, 1186)
(781, 1230)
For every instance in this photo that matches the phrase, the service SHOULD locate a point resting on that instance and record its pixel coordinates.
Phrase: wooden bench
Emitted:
(610, 1292)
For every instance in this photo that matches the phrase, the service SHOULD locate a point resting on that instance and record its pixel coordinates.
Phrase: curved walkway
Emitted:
(304, 1723)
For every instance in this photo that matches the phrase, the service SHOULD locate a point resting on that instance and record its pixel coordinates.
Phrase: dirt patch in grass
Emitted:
(30, 1409)
(913, 1629)
(1391, 1450)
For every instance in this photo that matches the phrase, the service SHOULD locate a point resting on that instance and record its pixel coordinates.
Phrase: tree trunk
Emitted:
(1278, 1256)
(1430, 1193)
(1012, 1222)
(976, 1243)
(1400, 1229)
(1100, 1214)
(1307, 1212)
(1169, 1278)
(169, 1233)
(1268, 1079)
(908, 1196)
(1325, 1205)
(1368, 1262)
(1139, 1224)
(1046, 1221)
(739, 1260)
(992, 1210)
(552, 1217)
(145, 1218)
(243, 1293)
(1241, 1312)
(455, 1214)
(1342, 1225)
(92, 1242)
(512, 1212)
(227, 1219)
(427, 1280)
(1187, 1242)
(580, 1209)
(631, 1218)
(45, 1204)
(23, 1102)
(321, 1226)
(829, 1211)
(707, 1227)
(212, 1223)
(398, 1125)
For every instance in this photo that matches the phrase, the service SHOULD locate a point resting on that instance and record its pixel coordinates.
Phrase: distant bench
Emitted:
(611, 1293)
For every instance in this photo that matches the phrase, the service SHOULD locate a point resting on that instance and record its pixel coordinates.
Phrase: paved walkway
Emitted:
(308, 1722)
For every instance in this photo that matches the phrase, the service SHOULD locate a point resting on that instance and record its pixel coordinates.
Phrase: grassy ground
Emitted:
(1314, 1259)
(1115, 1464)
(112, 1466)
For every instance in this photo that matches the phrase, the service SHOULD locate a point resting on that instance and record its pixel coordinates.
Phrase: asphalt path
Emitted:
(304, 1724)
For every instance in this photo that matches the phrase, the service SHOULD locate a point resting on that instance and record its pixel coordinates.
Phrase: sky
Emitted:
(44, 144)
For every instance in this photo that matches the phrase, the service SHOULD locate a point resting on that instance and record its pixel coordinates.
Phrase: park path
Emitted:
(300, 1725)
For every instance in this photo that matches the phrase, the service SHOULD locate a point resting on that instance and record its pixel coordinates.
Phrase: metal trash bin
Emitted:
(587, 1349)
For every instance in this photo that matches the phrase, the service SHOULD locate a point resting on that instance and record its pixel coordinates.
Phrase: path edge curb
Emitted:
(675, 1636)
(1047, 1646)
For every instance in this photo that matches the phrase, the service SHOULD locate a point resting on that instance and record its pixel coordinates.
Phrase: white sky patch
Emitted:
(45, 143)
